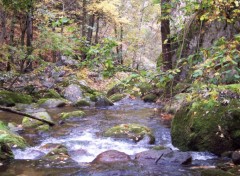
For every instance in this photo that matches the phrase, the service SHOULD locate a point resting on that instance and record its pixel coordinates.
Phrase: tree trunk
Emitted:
(90, 28)
(84, 18)
(11, 42)
(3, 26)
(97, 29)
(165, 31)
(121, 46)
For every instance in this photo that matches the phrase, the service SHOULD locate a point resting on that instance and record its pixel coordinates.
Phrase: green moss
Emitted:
(43, 127)
(150, 97)
(5, 152)
(8, 98)
(207, 125)
(117, 97)
(42, 100)
(58, 153)
(215, 172)
(159, 147)
(130, 131)
(30, 123)
(82, 103)
(66, 115)
(52, 94)
(8, 137)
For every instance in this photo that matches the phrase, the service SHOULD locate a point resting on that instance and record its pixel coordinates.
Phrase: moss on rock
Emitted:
(31, 123)
(67, 115)
(207, 125)
(150, 97)
(82, 103)
(8, 98)
(130, 131)
(117, 97)
(9, 138)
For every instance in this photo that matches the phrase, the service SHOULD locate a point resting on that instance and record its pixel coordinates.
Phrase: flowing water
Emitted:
(84, 141)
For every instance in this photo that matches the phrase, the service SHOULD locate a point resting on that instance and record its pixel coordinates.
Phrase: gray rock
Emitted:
(103, 101)
(236, 157)
(73, 93)
(53, 103)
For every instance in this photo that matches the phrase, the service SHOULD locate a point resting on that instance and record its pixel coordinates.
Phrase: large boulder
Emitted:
(134, 132)
(8, 98)
(73, 93)
(110, 157)
(31, 123)
(9, 138)
(207, 125)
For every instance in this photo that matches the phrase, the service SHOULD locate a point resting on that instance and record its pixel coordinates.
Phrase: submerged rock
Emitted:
(9, 138)
(51, 103)
(134, 132)
(67, 115)
(30, 123)
(8, 98)
(110, 157)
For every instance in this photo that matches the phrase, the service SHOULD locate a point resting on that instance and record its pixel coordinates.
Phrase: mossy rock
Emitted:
(44, 127)
(103, 101)
(118, 88)
(51, 103)
(130, 131)
(176, 103)
(207, 125)
(159, 147)
(215, 172)
(31, 123)
(8, 98)
(59, 153)
(82, 103)
(150, 98)
(9, 138)
(51, 93)
(117, 97)
(67, 115)
(144, 87)
(5, 152)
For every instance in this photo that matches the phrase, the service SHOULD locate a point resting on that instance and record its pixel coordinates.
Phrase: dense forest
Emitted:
(62, 62)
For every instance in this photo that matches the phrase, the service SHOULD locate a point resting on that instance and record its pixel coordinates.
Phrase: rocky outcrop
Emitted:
(73, 93)
(134, 132)
(8, 98)
(110, 157)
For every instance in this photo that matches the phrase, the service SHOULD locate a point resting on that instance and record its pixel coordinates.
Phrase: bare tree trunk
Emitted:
(84, 18)
(90, 28)
(97, 29)
(3, 26)
(11, 36)
(165, 31)
(121, 45)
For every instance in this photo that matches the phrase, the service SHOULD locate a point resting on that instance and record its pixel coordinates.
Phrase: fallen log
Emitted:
(6, 109)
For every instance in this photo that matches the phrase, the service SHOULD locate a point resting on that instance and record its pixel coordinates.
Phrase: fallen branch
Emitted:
(6, 109)
(158, 159)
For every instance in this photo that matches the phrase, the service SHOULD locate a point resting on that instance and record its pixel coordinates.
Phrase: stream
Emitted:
(84, 140)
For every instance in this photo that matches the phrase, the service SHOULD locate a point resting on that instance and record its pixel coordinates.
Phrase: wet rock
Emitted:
(215, 172)
(8, 98)
(28, 122)
(134, 132)
(117, 97)
(82, 103)
(9, 138)
(44, 127)
(236, 157)
(150, 98)
(73, 93)
(67, 115)
(52, 103)
(49, 146)
(59, 153)
(165, 156)
(5, 152)
(103, 101)
(111, 156)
